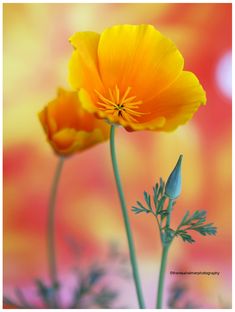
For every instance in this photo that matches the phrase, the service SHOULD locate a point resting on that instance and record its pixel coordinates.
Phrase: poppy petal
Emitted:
(139, 57)
(83, 65)
(179, 102)
(64, 139)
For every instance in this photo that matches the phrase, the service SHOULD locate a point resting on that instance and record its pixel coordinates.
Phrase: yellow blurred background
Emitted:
(36, 54)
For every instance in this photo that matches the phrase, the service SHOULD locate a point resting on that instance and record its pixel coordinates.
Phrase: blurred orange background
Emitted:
(36, 55)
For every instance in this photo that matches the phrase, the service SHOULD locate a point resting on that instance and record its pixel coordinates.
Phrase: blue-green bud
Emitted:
(173, 184)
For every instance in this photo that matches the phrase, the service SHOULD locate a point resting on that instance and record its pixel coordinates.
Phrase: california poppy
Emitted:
(133, 76)
(68, 127)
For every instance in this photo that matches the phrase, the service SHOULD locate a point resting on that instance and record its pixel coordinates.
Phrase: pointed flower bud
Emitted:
(173, 184)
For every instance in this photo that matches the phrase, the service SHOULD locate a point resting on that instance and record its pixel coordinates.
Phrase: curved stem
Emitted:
(51, 232)
(165, 249)
(126, 220)
(162, 277)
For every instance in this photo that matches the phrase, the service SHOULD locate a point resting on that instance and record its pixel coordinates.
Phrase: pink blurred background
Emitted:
(36, 54)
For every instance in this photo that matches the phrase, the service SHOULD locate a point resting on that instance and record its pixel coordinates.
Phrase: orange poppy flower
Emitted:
(68, 127)
(133, 76)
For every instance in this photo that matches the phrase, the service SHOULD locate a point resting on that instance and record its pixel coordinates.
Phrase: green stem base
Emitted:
(162, 277)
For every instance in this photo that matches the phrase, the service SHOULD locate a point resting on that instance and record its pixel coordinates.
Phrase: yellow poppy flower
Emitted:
(68, 127)
(133, 76)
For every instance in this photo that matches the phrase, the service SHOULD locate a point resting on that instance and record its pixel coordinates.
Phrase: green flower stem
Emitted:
(126, 220)
(162, 277)
(51, 232)
(165, 249)
(169, 209)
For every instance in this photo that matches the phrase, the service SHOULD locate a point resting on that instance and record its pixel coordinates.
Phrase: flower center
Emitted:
(117, 106)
